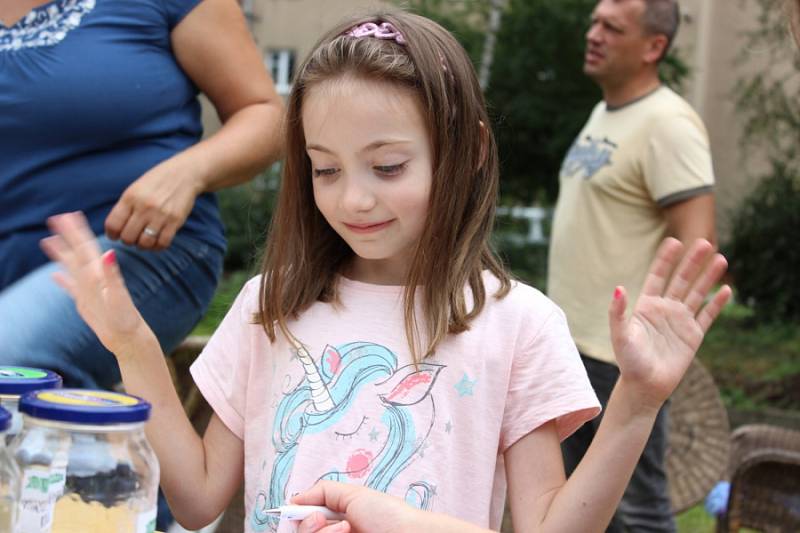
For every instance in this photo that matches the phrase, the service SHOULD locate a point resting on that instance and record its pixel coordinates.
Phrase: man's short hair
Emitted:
(661, 17)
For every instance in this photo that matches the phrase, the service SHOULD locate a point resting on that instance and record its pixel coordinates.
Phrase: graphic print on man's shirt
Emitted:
(372, 417)
(587, 157)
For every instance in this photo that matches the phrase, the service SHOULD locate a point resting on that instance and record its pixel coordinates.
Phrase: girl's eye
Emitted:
(325, 172)
(390, 170)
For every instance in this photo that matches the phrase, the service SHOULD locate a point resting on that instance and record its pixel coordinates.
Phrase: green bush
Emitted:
(246, 211)
(763, 252)
(528, 262)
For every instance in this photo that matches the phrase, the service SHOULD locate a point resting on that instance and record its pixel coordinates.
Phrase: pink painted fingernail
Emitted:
(617, 293)
(110, 257)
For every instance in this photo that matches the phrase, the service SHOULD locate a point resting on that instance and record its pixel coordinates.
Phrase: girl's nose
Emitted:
(357, 195)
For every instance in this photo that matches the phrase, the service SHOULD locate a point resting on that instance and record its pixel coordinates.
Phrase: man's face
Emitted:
(616, 45)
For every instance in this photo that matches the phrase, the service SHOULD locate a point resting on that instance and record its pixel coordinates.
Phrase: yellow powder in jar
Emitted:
(5, 516)
(73, 515)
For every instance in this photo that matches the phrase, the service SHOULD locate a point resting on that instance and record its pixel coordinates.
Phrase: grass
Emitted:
(695, 520)
(755, 365)
(229, 287)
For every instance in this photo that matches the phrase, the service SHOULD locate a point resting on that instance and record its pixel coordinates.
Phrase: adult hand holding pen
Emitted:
(367, 510)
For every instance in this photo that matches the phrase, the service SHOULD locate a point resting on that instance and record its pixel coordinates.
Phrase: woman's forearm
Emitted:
(247, 143)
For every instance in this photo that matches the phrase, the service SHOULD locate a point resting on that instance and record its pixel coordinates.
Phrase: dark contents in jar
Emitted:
(109, 488)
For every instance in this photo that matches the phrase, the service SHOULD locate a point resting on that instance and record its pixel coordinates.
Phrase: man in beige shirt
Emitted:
(640, 170)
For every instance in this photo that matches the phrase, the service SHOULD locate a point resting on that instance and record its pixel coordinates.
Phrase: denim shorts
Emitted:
(40, 327)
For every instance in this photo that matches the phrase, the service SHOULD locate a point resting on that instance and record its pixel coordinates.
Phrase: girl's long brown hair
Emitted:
(304, 255)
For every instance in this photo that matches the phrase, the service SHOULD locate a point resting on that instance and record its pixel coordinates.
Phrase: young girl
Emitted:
(384, 345)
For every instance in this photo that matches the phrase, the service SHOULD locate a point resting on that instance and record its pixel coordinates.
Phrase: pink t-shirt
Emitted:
(353, 407)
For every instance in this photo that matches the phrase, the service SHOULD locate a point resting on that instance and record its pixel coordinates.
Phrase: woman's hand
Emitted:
(655, 346)
(214, 47)
(370, 511)
(154, 207)
(95, 283)
(366, 510)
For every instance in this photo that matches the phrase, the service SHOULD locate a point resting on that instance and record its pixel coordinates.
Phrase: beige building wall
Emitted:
(289, 26)
(298, 24)
(710, 41)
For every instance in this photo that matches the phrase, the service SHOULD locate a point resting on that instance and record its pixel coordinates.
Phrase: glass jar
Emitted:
(16, 381)
(9, 477)
(85, 464)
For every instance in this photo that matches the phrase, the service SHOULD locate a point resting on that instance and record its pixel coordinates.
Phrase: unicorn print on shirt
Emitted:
(373, 417)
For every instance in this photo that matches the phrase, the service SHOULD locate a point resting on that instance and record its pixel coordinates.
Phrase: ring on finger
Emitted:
(150, 232)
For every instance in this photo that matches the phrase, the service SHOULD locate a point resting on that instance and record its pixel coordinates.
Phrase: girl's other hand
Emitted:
(94, 282)
(655, 346)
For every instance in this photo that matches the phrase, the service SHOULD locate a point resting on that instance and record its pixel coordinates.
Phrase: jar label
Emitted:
(42, 485)
(21, 373)
(87, 398)
(146, 522)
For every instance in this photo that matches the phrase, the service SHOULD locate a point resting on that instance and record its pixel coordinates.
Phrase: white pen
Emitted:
(301, 512)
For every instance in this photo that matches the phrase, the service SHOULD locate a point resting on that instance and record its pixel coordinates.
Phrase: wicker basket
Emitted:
(765, 480)
(699, 438)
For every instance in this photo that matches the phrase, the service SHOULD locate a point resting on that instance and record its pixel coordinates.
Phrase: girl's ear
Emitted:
(484, 153)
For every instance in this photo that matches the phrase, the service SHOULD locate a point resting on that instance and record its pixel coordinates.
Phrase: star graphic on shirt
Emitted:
(374, 434)
(448, 427)
(464, 387)
(422, 447)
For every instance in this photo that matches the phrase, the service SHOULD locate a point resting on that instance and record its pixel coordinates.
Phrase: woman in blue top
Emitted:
(99, 113)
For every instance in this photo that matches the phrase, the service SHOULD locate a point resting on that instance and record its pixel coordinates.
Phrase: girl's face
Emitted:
(371, 170)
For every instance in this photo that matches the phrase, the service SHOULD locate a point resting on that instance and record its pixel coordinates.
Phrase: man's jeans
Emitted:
(645, 507)
(40, 327)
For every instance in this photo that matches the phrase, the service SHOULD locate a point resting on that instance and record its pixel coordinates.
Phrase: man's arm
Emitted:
(692, 219)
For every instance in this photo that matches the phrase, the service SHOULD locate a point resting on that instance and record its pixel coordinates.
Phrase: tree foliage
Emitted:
(538, 96)
(538, 93)
(763, 251)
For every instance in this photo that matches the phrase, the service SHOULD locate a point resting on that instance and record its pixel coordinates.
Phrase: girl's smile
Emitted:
(368, 227)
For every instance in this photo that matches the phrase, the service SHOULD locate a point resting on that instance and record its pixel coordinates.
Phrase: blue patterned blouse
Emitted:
(91, 97)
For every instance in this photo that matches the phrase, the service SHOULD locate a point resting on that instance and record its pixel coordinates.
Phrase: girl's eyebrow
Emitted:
(369, 148)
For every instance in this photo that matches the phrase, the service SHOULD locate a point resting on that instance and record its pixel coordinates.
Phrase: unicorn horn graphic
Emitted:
(320, 395)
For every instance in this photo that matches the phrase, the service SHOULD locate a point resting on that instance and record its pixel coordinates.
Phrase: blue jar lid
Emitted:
(83, 406)
(17, 380)
(5, 419)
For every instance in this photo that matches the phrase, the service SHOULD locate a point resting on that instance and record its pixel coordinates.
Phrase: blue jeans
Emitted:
(645, 506)
(40, 327)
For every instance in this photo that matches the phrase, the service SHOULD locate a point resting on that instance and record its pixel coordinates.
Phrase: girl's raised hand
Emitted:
(656, 344)
(94, 282)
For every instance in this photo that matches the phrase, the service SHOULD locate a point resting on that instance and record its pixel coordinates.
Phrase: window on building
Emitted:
(280, 64)
(247, 9)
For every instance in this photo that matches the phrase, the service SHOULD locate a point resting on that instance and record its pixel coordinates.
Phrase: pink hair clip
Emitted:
(384, 30)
